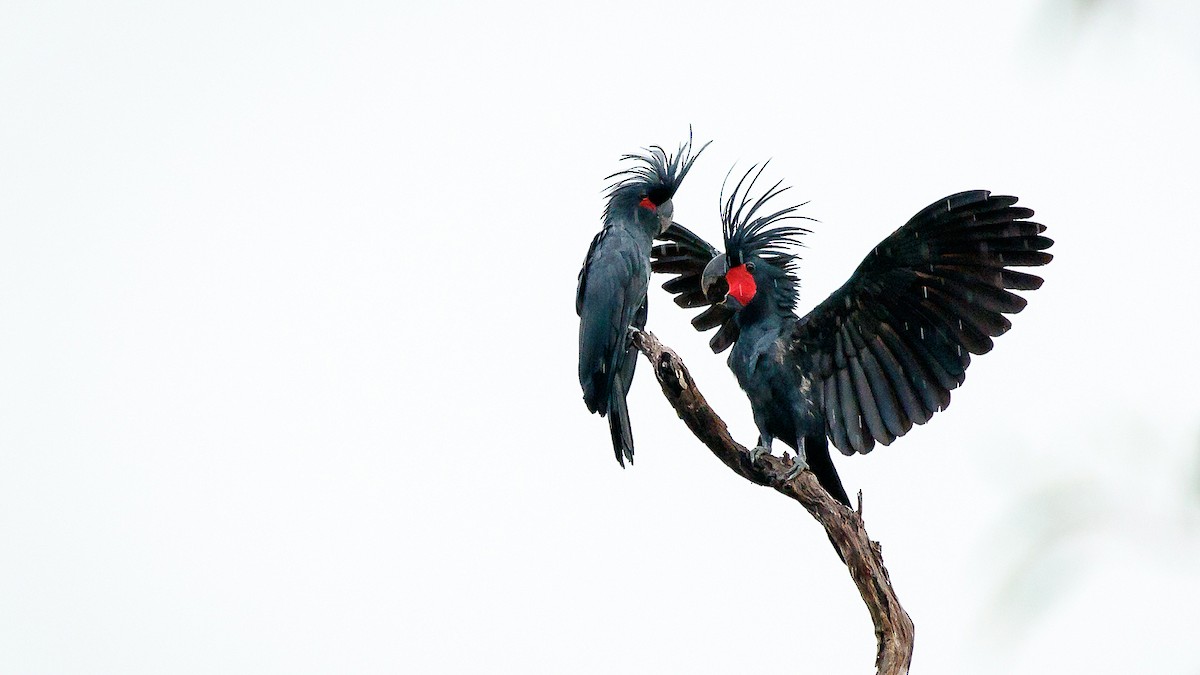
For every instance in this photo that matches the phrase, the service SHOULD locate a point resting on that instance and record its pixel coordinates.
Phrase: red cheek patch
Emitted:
(741, 284)
(647, 204)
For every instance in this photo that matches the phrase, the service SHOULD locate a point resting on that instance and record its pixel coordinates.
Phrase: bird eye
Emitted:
(749, 267)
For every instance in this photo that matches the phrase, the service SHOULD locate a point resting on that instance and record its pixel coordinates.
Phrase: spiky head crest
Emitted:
(750, 237)
(656, 176)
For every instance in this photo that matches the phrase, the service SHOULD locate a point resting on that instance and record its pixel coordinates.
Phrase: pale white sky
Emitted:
(287, 340)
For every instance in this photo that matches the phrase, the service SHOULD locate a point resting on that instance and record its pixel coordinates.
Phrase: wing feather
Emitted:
(684, 254)
(890, 345)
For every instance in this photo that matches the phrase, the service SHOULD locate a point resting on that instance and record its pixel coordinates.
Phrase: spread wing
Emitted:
(685, 254)
(888, 346)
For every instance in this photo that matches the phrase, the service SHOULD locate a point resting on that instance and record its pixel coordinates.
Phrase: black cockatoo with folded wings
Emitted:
(611, 293)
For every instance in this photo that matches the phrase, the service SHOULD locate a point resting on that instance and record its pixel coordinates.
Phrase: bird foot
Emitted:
(798, 466)
(757, 452)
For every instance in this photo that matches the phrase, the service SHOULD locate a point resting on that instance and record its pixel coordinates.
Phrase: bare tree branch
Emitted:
(863, 557)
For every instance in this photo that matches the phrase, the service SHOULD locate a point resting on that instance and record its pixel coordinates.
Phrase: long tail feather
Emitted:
(618, 424)
(816, 451)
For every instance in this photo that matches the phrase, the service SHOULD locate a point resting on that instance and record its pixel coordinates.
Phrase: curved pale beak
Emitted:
(714, 271)
(666, 214)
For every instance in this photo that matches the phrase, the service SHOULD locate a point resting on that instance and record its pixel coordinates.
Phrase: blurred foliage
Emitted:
(1134, 494)
(1087, 9)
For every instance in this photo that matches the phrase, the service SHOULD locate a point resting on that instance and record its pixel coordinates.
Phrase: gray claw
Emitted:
(757, 452)
(797, 466)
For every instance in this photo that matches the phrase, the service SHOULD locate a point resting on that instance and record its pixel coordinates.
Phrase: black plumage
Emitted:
(611, 292)
(881, 353)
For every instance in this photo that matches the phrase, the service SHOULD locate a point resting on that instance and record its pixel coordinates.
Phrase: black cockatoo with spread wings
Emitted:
(880, 354)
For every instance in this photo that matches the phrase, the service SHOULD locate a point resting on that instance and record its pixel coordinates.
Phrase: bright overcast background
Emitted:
(287, 338)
